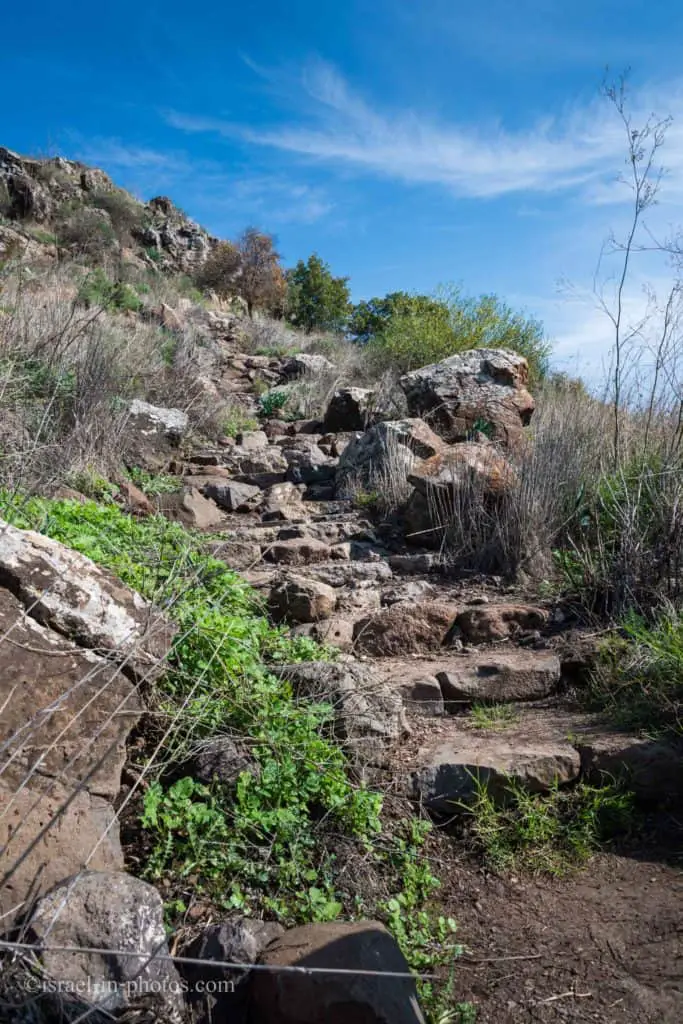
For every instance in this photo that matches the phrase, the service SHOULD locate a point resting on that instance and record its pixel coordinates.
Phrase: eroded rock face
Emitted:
(284, 998)
(152, 435)
(481, 389)
(297, 599)
(68, 593)
(306, 363)
(112, 911)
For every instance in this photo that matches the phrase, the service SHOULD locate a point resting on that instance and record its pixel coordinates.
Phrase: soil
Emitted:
(605, 944)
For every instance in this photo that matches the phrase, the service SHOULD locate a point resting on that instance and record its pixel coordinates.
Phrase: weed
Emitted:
(545, 833)
(272, 402)
(153, 484)
(639, 675)
(493, 716)
(236, 421)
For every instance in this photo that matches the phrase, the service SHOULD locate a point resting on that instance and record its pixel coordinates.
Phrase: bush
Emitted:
(405, 332)
(316, 300)
(87, 232)
(99, 290)
(124, 212)
(639, 677)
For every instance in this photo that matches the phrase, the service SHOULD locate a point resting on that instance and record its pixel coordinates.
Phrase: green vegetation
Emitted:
(99, 290)
(264, 843)
(639, 677)
(250, 268)
(493, 716)
(316, 300)
(545, 833)
(272, 402)
(407, 331)
(153, 484)
(236, 421)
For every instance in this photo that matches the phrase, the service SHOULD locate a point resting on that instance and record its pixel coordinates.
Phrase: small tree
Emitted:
(370, 319)
(219, 271)
(250, 268)
(315, 298)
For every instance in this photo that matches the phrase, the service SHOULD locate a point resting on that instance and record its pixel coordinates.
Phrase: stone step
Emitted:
(537, 748)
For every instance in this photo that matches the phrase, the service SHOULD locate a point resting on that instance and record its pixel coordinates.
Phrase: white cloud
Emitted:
(578, 149)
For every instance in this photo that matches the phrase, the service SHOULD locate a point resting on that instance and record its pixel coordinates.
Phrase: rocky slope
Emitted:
(419, 647)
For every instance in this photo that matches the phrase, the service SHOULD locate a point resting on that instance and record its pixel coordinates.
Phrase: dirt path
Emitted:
(605, 945)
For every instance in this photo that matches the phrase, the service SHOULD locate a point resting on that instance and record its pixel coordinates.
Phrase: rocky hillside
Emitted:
(38, 197)
(322, 695)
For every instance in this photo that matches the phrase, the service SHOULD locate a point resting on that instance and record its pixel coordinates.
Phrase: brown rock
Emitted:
(482, 386)
(237, 554)
(191, 508)
(475, 464)
(297, 599)
(47, 836)
(505, 676)
(135, 501)
(498, 621)
(405, 628)
(356, 998)
(298, 551)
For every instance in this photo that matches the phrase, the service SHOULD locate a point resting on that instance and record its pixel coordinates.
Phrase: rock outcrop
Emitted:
(481, 390)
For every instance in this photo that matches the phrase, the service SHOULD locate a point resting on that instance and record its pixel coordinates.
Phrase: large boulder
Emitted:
(118, 915)
(191, 508)
(368, 713)
(477, 465)
(49, 832)
(384, 451)
(280, 997)
(307, 463)
(492, 622)
(349, 409)
(65, 591)
(405, 628)
(152, 434)
(483, 389)
(306, 363)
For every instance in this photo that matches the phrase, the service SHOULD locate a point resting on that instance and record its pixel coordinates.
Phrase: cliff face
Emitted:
(54, 193)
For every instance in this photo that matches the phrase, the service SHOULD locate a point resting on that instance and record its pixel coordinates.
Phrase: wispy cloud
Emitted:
(205, 184)
(578, 148)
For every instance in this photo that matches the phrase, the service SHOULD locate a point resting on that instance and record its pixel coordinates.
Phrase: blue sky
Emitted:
(409, 142)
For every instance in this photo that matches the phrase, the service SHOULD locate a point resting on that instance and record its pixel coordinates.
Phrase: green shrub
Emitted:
(85, 231)
(153, 484)
(124, 212)
(639, 676)
(99, 290)
(236, 421)
(272, 402)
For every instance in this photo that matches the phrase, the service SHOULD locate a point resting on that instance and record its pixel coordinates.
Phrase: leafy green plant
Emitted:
(639, 675)
(545, 833)
(153, 484)
(272, 402)
(236, 421)
(92, 484)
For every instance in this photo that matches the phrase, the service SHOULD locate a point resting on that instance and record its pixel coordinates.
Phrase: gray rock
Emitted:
(482, 385)
(261, 467)
(534, 753)
(222, 759)
(252, 440)
(508, 676)
(308, 464)
(286, 998)
(240, 940)
(190, 507)
(68, 593)
(386, 451)
(298, 551)
(423, 695)
(228, 494)
(112, 911)
(173, 422)
(349, 409)
(368, 714)
(237, 554)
